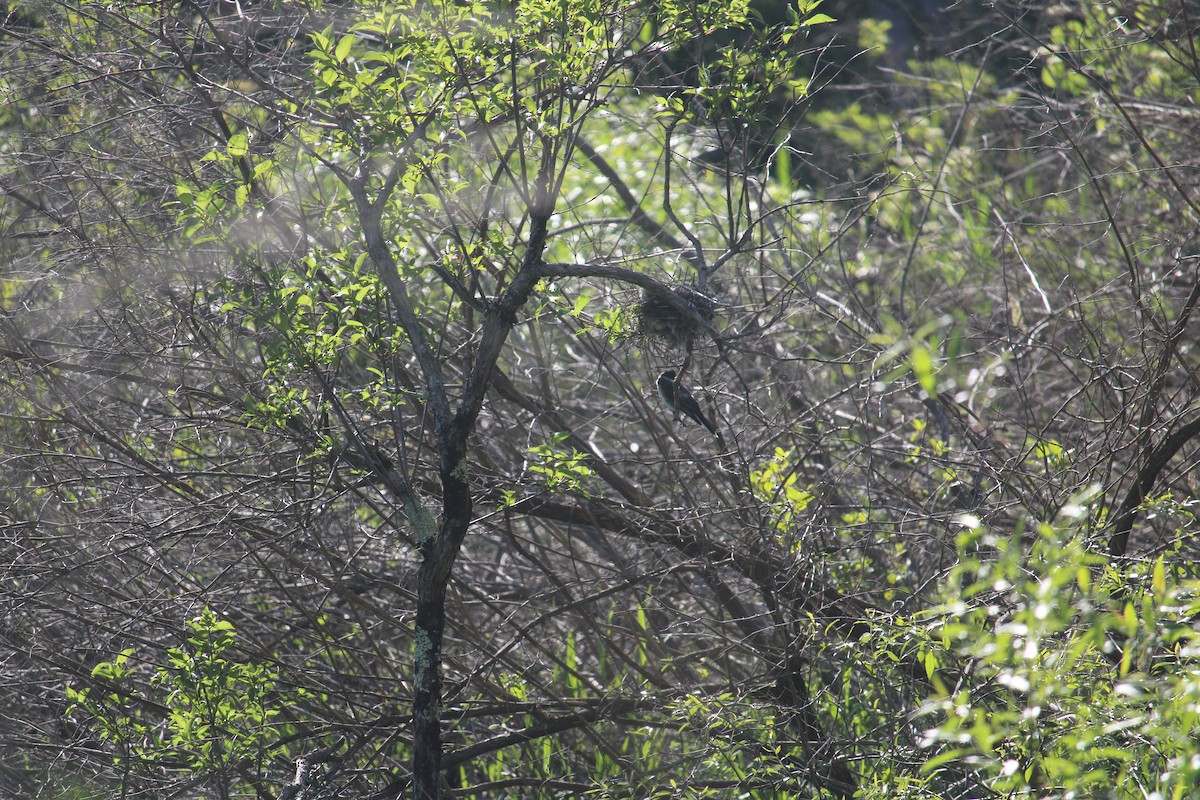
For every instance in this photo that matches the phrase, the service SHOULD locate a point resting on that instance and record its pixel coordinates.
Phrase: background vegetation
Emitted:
(331, 459)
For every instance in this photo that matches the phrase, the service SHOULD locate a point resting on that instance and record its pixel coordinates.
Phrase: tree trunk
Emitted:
(438, 553)
(427, 684)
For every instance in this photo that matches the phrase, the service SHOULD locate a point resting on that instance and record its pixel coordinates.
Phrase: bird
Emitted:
(679, 398)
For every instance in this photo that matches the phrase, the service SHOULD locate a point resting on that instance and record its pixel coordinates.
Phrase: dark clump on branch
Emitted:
(660, 318)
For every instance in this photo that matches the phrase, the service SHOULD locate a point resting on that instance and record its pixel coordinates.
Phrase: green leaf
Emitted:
(320, 40)
(237, 146)
(344, 46)
(922, 366)
(186, 194)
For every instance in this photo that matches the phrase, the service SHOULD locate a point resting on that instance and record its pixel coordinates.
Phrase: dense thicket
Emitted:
(331, 454)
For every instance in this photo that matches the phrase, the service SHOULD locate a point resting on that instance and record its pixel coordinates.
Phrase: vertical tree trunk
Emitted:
(438, 553)
(427, 685)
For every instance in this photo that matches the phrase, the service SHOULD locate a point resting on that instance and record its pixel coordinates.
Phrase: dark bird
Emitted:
(678, 397)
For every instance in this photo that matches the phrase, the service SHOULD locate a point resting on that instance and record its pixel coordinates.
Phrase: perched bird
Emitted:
(680, 398)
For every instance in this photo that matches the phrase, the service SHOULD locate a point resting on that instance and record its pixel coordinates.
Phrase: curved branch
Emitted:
(1147, 476)
(636, 215)
(601, 709)
(385, 265)
(676, 297)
